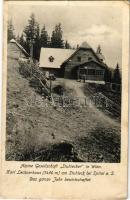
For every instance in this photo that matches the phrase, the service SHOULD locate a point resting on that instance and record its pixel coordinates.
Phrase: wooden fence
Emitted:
(103, 102)
(30, 71)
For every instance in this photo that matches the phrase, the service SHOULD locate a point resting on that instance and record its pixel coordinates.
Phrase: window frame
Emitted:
(79, 58)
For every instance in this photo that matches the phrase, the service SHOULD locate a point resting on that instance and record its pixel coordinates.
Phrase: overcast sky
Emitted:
(94, 24)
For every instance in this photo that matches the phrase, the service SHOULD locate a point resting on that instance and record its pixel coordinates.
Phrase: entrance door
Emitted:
(75, 72)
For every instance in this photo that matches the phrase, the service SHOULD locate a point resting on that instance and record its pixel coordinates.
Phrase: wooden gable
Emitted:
(93, 64)
(80, 56)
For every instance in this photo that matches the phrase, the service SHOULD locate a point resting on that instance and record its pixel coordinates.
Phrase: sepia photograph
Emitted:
(64, 83)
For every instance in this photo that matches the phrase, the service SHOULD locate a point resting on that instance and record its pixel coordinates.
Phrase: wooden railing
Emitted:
(29, 70)
(102, 101)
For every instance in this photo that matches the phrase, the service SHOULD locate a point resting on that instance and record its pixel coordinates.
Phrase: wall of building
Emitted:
(14, 51)
(94, 66)
(56, 72)
(84, 54)
(92, 71)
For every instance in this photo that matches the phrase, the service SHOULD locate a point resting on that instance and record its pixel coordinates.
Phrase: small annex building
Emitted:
(52, 59)
(15, 50)
(73, 64)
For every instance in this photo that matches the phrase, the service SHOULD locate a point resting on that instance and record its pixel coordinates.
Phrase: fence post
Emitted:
(50, 85)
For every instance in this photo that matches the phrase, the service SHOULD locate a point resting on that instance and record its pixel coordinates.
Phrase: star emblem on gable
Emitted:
(51, 58)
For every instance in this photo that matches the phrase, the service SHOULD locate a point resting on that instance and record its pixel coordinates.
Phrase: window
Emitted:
(89, 58)
(82, 71)
(79, 59)
(91, 71)
(99, 72)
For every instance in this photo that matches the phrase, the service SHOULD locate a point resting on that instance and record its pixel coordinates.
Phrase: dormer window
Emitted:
(79, 59)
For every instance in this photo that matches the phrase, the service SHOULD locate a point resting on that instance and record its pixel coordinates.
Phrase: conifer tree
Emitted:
(98, 49)
(32, 35)
(67, 45)
(44, 39)
(36, 49)
(30, 29)
(21, 40)
(108, 75)
(56, 38)
(117, 75)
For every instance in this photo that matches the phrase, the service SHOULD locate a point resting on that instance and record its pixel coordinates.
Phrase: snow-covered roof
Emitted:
(14, 41)
(54, 57)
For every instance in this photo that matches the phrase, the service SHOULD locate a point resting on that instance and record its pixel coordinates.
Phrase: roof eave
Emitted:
(50, 67)
(101, 64)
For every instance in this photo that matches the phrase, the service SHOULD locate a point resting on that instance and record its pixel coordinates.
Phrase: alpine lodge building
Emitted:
(81, 63)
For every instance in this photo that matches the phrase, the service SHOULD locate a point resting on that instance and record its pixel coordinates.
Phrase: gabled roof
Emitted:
(85, 48)
(15, 42)
(54, 57)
